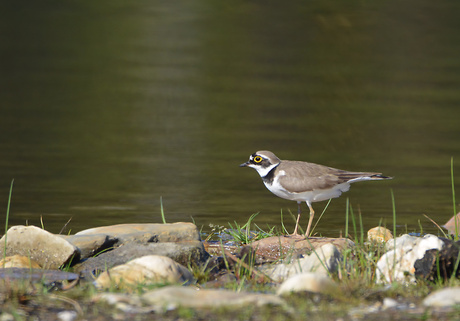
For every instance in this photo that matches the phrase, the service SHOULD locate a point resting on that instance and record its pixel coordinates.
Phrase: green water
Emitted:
(107, 106)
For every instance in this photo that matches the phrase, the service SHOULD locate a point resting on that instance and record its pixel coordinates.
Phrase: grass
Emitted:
(242, 234)
(7, 218)
(162, 211)
(456, 236)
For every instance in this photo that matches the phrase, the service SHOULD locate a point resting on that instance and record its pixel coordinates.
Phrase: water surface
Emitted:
(108, 106)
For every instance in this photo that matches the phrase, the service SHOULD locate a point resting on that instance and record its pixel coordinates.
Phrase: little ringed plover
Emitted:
(304, 182)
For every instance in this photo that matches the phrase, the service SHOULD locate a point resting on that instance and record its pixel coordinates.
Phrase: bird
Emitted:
(304, 182)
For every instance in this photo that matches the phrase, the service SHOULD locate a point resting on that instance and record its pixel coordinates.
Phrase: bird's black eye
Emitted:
(257, 159)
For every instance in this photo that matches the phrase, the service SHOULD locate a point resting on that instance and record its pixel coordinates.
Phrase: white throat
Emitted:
(263, 171)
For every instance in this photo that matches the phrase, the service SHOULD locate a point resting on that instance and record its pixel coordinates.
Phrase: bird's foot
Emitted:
(296, 236)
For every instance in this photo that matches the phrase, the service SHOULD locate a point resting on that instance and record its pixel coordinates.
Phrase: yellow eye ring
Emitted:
(257, 159)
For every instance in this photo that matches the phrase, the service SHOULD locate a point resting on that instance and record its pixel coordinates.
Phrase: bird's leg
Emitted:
(298, 219)
(312, 214)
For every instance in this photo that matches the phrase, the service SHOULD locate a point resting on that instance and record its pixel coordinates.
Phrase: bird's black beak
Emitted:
(244, 164)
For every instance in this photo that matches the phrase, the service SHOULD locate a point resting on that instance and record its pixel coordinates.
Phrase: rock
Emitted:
(221, 281)
(48, 250)
(215, 248)
(182, 252)
(92, 244)
(443, 298)
(397, 264)
(323, 261)
(453, 225)
(4, 316)
(145, 233)
(437, 264)
(37, 275)
(18, 261)
(149, 269)
(279, 247)
(389, 303)
(128, 303)
(67, 315)
(379, 234)
(310, 282)
(173, 297)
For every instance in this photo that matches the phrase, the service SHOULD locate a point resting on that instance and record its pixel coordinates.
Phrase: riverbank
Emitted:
(137, 271)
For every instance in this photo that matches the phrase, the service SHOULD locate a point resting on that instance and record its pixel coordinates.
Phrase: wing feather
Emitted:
(310, 176)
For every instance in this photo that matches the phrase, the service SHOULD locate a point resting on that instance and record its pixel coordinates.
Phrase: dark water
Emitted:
(106, 106)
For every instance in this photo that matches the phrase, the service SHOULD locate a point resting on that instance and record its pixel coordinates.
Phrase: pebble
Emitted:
(67, 315)
(4, 316)
(172, 297)
(389, 303)
(149, 269)
(310, 282)
(443, 298)
(18, 261)
(379, 234)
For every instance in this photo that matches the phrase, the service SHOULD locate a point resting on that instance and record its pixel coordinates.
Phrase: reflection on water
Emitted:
(108, 106)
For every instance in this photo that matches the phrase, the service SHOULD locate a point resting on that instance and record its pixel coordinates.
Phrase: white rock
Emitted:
(48, 250)
(67, 315)
(172, 297)
(128, 303)
(148, 269)
(443, 298)
(389, 303)
(4, 316)
(397, 264)
(323, 261)
(311, 282)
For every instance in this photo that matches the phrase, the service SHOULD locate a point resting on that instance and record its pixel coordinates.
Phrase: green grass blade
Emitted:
(346, 218)
(394, 213)
(456, 236)
(322, 213)
(162, 211)
(453, 185)
(353, 221)
(7, 217)
(282, 223)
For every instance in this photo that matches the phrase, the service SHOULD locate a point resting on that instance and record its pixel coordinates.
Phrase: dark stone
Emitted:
(184, 253)
(36, 275)
(221, 280)
(439, 264)
(91, 245)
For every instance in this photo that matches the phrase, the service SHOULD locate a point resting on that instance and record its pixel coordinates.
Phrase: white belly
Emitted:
(310, 196)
